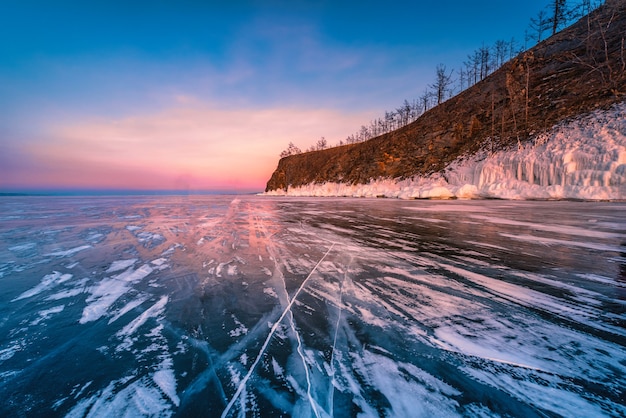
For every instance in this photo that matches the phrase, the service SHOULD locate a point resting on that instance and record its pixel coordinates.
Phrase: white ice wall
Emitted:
(581, 159)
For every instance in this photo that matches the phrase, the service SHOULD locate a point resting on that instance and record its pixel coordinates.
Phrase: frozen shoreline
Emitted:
(581, 159)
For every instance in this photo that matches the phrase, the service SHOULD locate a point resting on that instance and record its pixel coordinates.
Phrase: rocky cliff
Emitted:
(576, 71)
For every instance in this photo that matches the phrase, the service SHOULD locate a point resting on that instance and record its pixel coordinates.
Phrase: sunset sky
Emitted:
(204, 95)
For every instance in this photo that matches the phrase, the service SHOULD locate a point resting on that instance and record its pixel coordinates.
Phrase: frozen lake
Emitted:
(256, 306)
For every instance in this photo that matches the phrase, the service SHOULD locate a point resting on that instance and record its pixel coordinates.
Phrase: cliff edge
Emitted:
(573, 73)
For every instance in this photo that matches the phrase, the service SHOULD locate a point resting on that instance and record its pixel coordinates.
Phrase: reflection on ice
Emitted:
(70, 252)
(213, 306)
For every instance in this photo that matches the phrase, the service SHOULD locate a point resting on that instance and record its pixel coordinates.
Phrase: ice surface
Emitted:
(314, 308)
(159, 261)
(109, 290)
(166, 381)
(23, 247)
(580, 159)
(121, 265)
(70, 252)
(8, 352)
(127, 308)
(47, 313)
(403, 383)
(49, 281)
(553, 241)
(120, 399)
(153, 311)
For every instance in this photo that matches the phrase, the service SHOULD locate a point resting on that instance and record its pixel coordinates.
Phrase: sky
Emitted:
(204, 95)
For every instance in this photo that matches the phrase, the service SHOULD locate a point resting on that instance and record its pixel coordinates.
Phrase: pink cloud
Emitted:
(192, 146)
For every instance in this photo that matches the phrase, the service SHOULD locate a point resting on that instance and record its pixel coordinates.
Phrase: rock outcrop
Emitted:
(576, 71)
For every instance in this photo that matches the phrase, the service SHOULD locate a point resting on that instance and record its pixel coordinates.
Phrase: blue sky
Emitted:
(204, 94)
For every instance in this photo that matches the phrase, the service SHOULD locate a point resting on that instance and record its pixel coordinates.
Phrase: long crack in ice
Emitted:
(331, 391)
(243, 382)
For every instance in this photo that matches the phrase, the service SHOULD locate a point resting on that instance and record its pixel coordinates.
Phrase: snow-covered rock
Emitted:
(584, 158)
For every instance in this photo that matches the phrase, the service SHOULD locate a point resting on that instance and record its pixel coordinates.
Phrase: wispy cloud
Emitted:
(193, 144)
(209, 98)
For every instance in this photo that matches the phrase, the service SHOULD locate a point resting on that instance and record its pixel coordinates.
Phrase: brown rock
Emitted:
(578, 70)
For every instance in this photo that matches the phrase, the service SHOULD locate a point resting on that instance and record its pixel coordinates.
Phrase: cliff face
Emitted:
(580, 69)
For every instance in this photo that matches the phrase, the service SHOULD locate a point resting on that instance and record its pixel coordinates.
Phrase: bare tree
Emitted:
(500, 50)
(485, 61)
(513, 48)
(585, 7)
(321, 144)
(441, 86)
(404, 113)
(388, 121)
(462, 77)
(364, 133)
(425, 100)
(559, 13)
(406, 108)
(600, 49)
(416, 110)
(291, 150)
(473, 68)
(382, 126)
(540, 24)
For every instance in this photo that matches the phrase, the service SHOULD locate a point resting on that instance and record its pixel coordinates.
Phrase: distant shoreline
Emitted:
(129, 193)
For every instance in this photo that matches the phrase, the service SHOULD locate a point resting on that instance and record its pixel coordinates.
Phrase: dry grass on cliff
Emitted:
(580, 69)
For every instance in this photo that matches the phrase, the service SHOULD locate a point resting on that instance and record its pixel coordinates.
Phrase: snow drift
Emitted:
(583, 158)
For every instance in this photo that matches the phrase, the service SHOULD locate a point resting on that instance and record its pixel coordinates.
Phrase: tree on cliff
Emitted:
(603, 56)
(559, 14)
(539, 25)
(441, 86)
(291, 150)
(321, 144)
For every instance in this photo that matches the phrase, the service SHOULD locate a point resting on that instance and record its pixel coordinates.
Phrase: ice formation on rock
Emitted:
(584, 158)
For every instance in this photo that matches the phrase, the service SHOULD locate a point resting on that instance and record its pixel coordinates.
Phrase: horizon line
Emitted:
(18, 192)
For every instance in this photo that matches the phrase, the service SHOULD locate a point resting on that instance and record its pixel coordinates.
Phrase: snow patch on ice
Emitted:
(48, 282)
(558, 229)
(109, 290)
(278, 370)
(553, 241)
(173, 248)
(23, 247)
(160, 263)
(150, 239)
(155, 310)
(601, 279)
(127, 308)
(47, 313)
(166, 381)
(556, 400)
(240, 330)
(270, 292)
(121, 265)
(7, 353)
(70, 252)
(122, 399)
(411, 392)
